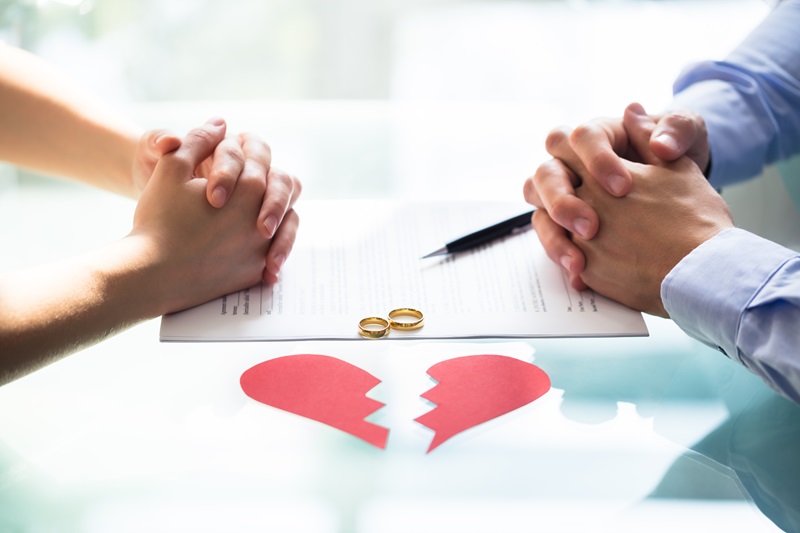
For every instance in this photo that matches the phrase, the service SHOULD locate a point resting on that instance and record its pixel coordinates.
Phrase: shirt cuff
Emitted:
(708, 290)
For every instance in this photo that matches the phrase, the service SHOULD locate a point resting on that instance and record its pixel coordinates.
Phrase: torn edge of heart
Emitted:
(322, 388)
(474, 389)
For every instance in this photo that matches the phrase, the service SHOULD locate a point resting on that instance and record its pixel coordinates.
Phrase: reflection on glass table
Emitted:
(636, 434)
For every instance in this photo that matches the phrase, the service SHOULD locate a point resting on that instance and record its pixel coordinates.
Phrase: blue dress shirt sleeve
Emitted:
(740, 293)
(751, 100)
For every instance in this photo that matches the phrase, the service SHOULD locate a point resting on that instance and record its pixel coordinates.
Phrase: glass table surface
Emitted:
(636, 434)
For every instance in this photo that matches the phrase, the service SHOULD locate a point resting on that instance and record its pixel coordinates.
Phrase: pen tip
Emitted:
(440, 251)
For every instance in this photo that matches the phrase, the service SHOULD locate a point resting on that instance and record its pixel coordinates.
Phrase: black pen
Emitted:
(473, 240)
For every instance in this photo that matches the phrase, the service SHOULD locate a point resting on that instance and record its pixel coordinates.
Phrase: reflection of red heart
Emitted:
(477, 388)
(321, 388)
(469, 391)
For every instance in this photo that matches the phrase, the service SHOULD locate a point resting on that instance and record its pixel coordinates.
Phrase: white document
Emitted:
(357, 259)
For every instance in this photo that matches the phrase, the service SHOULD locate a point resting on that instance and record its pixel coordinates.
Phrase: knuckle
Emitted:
(544, 172)
(528, 188)
(556, 138)
(264, 145)
(253, 142)
(252, 184)
(223, 175)
(681, 121)
(687, 122)
(234, 153)
(224, 179)
(283, 179)
(182, 162)
(599, 161)
(252, 171)
(249, 136)
(259, 185)
(202, 135)
(582, 133)
(560, 209)
(533, 185)
(696, 119)
(283, 187)
(553, 178)
(538, 215)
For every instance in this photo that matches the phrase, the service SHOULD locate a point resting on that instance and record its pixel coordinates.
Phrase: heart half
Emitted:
(474, 389)
(319, 387)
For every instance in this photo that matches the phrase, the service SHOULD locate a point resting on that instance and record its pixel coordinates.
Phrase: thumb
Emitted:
(681, 133)
(158, 143)
(639, 126)
(201, 142)
(150, 148)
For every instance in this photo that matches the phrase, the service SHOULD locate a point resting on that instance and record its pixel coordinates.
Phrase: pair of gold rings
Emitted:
(402, 319)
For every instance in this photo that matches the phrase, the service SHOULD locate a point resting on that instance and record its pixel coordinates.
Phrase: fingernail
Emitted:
(565, 262)
(271, 223)
(669, 141)
(216, 121)
(218, 197)
(616, 183)
(582, 226)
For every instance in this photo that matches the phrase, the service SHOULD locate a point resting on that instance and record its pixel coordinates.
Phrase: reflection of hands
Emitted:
(195, 251)
(598, 149)
(230, 161)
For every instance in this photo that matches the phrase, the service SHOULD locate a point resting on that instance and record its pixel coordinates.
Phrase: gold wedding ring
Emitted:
(373, 327)
(406, 319)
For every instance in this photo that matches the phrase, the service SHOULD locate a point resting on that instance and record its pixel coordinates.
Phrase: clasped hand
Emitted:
(624, 200)
(214, 216)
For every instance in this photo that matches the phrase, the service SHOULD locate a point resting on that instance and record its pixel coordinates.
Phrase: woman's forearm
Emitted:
(50, 311)
(181, 252)
(48, 125)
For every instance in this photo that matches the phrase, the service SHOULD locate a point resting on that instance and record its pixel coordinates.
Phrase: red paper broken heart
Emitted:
(321, 388)
(470, 390)
(474, 389)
